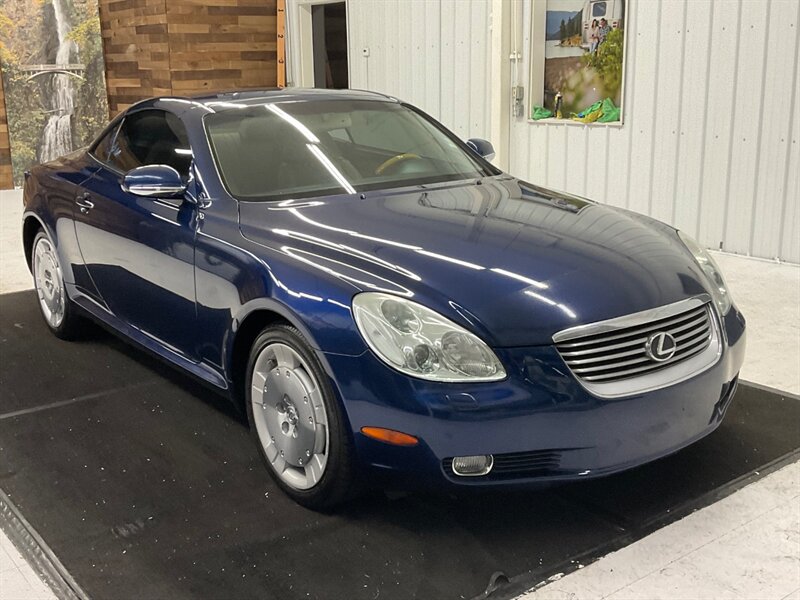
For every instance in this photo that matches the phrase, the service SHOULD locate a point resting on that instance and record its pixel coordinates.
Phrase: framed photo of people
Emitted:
(578, 60)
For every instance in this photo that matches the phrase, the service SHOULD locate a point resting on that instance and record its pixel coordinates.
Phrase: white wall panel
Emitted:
(689, 151)
(596, 165)
(429, 68)
(666, 123)
(778, 135)
(575, 165)
(448, 56)
(711, 138)
(557, 150)
(747, 120)
(620, 141)
(645, 74)
(722, 87)
(479, 47)
(431, 53)
(789, 235)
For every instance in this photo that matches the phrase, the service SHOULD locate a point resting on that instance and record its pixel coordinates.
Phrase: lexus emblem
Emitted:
(660, 346)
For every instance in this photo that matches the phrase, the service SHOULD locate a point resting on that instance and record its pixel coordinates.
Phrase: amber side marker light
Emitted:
(389, 436)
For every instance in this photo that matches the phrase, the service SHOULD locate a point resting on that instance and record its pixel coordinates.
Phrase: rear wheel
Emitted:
(48, 279)
(296, 421)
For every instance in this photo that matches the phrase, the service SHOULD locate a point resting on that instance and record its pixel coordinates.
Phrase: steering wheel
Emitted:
(395, 160)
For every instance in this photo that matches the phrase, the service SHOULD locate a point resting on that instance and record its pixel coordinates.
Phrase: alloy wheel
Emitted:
(49, 282)
(290, 416)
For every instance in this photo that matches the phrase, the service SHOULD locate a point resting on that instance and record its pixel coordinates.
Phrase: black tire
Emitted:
(338, 481)
(70, 323)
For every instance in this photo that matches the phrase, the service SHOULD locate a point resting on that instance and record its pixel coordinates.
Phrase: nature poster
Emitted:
(583, 53)
(51, 55)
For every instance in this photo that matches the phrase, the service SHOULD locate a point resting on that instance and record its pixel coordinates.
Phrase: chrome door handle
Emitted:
(84, 202)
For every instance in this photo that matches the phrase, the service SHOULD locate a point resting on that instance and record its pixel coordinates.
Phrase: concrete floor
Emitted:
(14, 274)
(768, 293)
(18, 580)
(745, 546)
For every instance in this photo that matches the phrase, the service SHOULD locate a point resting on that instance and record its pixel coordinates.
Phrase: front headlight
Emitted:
(719, 290)
(422, 343)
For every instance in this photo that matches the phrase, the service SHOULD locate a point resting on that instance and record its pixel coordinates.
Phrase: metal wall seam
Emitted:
(710, 136)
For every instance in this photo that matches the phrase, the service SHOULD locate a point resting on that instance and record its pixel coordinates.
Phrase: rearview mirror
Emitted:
(160, 181)
(481, 147)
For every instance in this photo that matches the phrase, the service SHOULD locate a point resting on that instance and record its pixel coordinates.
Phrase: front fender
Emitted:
(236, 277)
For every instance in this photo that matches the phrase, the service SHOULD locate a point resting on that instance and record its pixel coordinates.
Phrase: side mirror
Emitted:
(160, 181)
(481, 147)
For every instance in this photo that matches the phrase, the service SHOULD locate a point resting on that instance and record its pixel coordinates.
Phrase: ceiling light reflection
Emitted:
(307, 133)
(222, 104)
(331, 168)
(337, 303)
(349, 250)
(186, 101)
(310, 221)
(565, 309)
(522, 278)
(450, 259)
(303, 256)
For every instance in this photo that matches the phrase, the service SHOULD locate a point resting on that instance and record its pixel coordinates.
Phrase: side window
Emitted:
(103, 148)
(151, 137)
(599, 9)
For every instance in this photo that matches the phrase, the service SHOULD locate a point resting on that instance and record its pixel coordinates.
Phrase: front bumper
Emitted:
(539, 422)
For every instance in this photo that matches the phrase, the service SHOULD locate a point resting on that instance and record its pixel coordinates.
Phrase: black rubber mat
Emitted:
(146, 485)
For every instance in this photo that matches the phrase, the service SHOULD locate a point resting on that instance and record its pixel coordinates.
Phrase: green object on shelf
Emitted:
(610, 112)
(602, 111)
(589, 115)
(540, 112)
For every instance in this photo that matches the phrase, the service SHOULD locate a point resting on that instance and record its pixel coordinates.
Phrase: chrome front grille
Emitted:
(607, 356)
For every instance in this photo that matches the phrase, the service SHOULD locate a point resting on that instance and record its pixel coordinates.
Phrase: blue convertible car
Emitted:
(381, 301)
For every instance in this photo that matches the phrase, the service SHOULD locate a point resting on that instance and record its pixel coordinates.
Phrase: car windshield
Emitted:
(313, 148)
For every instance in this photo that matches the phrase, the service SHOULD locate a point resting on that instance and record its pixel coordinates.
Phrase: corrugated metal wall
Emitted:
(711, 139)
(431, 53)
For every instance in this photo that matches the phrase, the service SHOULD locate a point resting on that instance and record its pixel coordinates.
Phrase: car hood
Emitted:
(513, 262)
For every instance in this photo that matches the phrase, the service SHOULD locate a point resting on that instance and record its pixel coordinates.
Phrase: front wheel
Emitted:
(296, 420)
(48, 279)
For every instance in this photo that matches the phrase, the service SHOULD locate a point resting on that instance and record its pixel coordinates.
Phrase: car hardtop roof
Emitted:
(248, 97)
(223, 101)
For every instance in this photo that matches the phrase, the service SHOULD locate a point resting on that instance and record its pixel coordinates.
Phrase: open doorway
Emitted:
(329, 39)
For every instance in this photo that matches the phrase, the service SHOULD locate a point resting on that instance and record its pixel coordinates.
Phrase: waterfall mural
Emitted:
(57, 136)
(51, 56)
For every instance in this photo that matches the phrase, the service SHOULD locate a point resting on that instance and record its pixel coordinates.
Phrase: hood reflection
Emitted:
(503, 251)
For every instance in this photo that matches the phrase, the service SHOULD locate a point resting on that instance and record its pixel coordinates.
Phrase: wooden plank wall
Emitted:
(186, 47)
(5, 152)
(222, 44)
(136, 46)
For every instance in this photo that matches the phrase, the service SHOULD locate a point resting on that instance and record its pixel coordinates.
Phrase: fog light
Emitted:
(472, 466)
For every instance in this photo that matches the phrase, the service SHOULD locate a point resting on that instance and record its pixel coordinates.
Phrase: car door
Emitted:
(139, 251)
